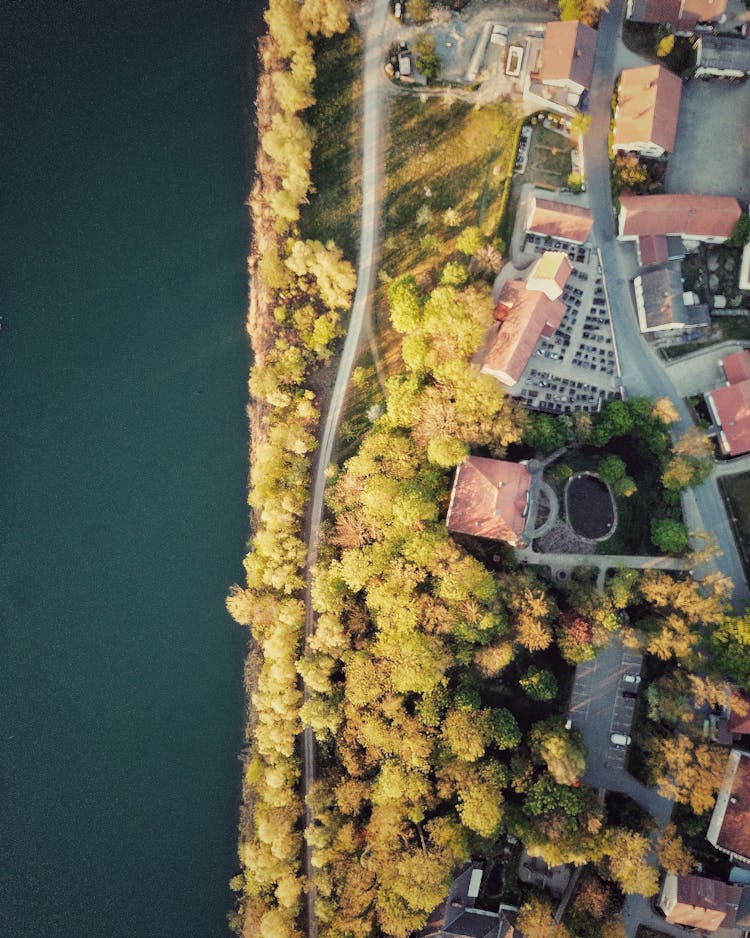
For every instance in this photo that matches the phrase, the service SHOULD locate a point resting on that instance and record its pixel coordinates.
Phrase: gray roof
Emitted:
(662, 300)
(473, 924)
(724, 53)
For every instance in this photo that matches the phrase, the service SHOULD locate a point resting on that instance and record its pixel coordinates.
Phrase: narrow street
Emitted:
(643, 372)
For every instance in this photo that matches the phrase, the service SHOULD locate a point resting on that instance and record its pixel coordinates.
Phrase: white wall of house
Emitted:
(668, 897)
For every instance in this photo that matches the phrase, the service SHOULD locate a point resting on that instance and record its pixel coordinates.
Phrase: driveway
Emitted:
(712, 152)
(700, 371)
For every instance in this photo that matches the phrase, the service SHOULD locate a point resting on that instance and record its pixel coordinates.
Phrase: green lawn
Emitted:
(335, 203)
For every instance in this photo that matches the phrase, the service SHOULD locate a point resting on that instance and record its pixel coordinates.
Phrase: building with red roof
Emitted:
(559, 220)
(729, 830)
(700, 902)
(490, 498)
(563, 65)
(525, 311)
(682, 15)
(729, 406)
(648, 105)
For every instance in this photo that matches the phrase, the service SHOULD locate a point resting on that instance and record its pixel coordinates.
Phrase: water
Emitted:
(123, 364)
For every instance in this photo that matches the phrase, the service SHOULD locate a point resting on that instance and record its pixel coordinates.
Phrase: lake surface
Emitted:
(123, 462)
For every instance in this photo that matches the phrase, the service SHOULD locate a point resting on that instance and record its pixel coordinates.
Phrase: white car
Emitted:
(634, 679)
(619, 739)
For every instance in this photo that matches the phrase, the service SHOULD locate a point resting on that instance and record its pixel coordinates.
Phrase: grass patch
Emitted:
(549, 158)
(334, 213)
(737, 491)
(443, 155)
(735, 327)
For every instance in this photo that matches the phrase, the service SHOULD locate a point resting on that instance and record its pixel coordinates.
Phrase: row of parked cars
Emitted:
(631, 682)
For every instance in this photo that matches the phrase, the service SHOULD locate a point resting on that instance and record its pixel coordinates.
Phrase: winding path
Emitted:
(372, 23)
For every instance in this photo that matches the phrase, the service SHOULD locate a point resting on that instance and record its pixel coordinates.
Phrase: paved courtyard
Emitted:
(712, 152)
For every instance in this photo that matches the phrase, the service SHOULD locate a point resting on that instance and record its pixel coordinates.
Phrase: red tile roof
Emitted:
(655, 11)
(729, 829)
(692, 216)
(648, 106)
(731, 407)
(704, 903)
(739, 722)
(653, 250)
(489, 499)
(526, 314)
(737, 366)
(568, 53)
(702, 11)
(559, 220)
(682, 13)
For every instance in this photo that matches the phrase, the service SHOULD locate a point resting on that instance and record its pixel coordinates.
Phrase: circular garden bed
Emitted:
(590, 507)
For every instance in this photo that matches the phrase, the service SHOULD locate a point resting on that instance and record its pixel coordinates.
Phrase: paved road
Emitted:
(643, 373)
(372, 22)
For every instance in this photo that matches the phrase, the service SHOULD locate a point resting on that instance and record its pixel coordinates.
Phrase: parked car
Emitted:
(634, 679)
(630, 694)
(619, 739)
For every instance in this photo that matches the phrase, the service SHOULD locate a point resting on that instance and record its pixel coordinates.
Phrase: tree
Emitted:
(631, 173)
(671, 851)
(580, 124)
(687, 771)
(405, 304)
(419, 10)
(547, 432)
(470, 240)
(563, 751)
(730, 647)
(628, 862)
(539, 683)
(535, 920)
(669, 536)
(665, 411)
(665, 46)
(446, 451)
(740, 232)
(325, 17)
(285, 25)
(428, 61)
(504, 728)
(486, 262)
(575, 181)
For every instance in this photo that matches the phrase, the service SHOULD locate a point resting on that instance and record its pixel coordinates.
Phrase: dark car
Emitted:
(630, 694)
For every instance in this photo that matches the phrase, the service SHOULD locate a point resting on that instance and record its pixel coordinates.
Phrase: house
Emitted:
(731, 721)
(648, 104)
(563, 67)
(568, 57)
(722, 57)
(490, 498)
(729, 406)
(700, 902)
(525, 311)
(661, 305)
(681, 15)
(729, 830)
(458, 916)
(559, 220)
(693, 218)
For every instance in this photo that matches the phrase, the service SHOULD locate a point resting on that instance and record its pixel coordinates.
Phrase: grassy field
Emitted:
(737, 491)
(442, 155)
(335, 204)
(734, 327)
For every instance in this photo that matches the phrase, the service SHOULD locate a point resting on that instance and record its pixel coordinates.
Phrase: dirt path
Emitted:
(372, 21)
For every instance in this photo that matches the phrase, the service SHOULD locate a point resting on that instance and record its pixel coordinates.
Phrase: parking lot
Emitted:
(712, 152)
(576, 369)
(598, 708)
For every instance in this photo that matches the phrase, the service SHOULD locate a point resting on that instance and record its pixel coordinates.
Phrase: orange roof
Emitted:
(692, 216)
(527, 314)
(739, 723)
(648, 104)
(559, 220)
(729, 829)
(568, 53)
(653, 250)
(489, 499)
(703, 902)
(731, 406)
(737, 366)
(682, 13)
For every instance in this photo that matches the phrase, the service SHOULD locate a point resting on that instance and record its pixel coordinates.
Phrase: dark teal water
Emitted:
(123, 444)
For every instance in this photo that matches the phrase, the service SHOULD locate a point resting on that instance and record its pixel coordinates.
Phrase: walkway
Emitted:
(372, 22)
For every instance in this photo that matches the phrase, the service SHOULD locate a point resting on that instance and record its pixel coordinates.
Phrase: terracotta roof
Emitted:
(737, 366)
(527, 314)
(489, 499)
(731, 407)
(653, 250)
(648, 104)
(568, 53)
(682, 13)
(739, 722)
(704, 903)
(729, 829)
(692, 216)
(550, 274)
(559, 220)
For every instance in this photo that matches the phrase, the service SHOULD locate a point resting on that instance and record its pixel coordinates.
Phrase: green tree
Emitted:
(580, 124)
(428, 61)
(470, 240)
(668, 535)
(563, 751)
(539, 683)
(730, 648)
(740, 232)
(547, 432)
(446, 451)
(575, 181)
